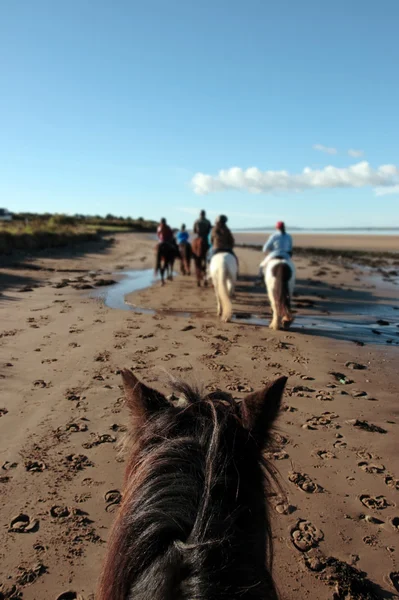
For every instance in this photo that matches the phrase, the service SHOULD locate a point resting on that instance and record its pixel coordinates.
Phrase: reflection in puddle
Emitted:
(367, 332)
(113, 296)
(363, 328)
(366, 310)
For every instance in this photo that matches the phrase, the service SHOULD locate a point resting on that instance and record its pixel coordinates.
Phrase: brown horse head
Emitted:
(194, 521)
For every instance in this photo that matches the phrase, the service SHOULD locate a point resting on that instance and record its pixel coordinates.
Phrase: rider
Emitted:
(279, 245)
(202, 227)
(165, 233)
(221, 237)
(182, 235)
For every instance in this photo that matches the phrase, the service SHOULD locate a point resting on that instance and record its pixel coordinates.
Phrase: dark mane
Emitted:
(193, 524)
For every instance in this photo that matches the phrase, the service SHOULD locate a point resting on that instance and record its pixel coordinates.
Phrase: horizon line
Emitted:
(296, 228)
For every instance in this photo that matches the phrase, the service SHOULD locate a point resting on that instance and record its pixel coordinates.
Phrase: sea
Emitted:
(382, 232)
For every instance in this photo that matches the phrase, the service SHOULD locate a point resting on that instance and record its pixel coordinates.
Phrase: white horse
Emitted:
(279, 277)
(223, 271)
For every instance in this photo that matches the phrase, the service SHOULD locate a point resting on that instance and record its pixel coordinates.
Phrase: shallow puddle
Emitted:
(113, 296)
(354, 325)
(359, 330)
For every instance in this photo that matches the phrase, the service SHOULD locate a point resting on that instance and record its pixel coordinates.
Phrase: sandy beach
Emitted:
(62, 413)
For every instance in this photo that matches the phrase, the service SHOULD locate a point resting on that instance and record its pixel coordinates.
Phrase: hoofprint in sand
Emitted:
(62, 413)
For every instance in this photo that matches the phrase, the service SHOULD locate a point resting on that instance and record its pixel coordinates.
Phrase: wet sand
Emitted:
(374, 243)
(62, 412)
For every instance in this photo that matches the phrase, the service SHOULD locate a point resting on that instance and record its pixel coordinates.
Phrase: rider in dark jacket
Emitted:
(222, 239)
(202, 226)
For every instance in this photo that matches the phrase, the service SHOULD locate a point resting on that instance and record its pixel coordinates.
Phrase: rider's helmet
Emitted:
(183, 227)
(280, 225)
(222, 219)
(163, 221)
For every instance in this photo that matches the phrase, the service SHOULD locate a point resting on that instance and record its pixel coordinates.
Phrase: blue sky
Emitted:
(118, 106)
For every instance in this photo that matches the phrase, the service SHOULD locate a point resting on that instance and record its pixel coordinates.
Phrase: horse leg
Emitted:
(204, 271)
(222, 283)
(219, 306)
(270, 282)
(287, 317)
(182, 266)
(231, 287)
(197, 270)
(287, 322)
(182, 257)
(198, 273)
(218, 303)
(275, 322)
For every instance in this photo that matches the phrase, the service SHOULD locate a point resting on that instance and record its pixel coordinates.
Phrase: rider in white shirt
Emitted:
(279, 245)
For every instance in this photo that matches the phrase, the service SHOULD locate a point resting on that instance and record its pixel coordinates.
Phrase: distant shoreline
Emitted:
(326, 231)
(329, 241)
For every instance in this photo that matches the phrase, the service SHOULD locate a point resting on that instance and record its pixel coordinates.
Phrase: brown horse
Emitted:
(194, 519)
(185, 257)
(166, 256)
(200, 249)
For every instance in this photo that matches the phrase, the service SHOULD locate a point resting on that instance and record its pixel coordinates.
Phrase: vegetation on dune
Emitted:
(31, 231)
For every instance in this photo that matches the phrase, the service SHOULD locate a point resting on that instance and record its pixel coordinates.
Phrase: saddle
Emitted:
(228, 251)
(170, 244)
(280, 257)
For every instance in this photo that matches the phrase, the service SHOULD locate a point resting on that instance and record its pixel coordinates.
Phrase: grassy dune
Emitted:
(30, 232)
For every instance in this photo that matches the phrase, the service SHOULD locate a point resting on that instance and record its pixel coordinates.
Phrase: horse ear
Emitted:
(141, 399)
(260, 409)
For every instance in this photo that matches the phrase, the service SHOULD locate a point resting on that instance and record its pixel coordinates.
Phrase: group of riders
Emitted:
(220, 239)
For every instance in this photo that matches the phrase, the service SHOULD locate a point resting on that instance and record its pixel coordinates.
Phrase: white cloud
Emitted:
(385, 191)
(355, 153)
(325, 149)
(255, 181)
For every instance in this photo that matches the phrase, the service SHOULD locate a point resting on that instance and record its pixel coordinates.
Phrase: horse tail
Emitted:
(224, 287)
(282, 273)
